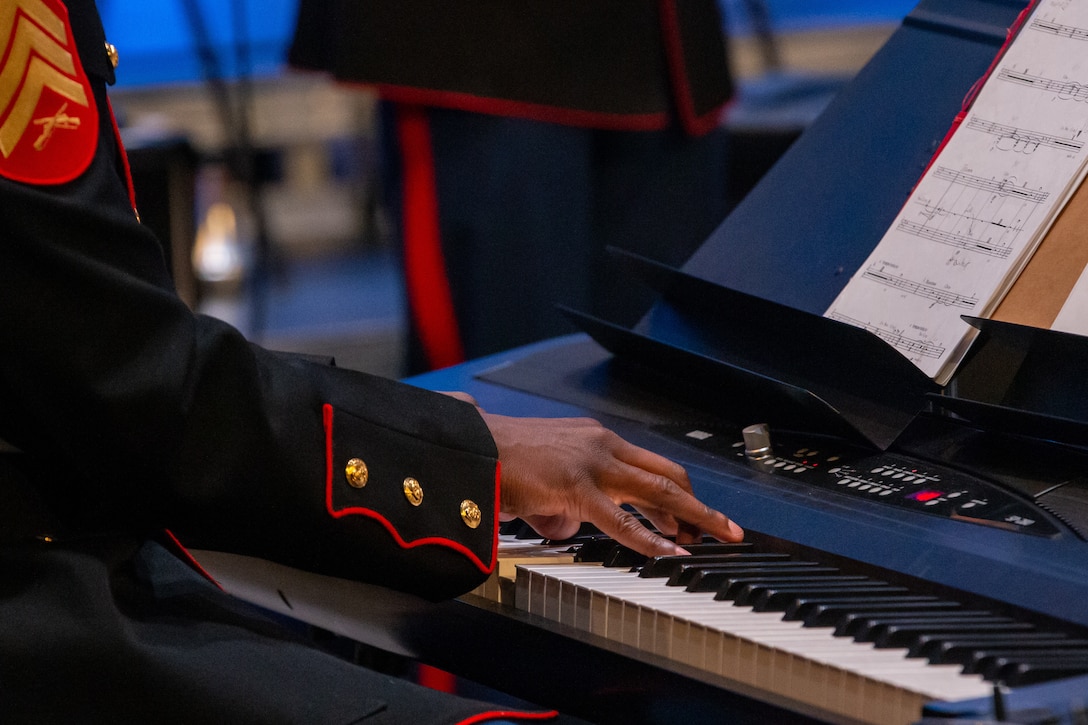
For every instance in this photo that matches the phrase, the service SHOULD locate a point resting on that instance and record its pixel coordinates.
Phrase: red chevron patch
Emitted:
(48, 116)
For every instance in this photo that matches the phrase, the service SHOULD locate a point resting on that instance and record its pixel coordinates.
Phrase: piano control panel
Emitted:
(884, 477)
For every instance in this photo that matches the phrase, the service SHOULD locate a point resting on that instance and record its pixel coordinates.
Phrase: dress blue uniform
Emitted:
(133, 416)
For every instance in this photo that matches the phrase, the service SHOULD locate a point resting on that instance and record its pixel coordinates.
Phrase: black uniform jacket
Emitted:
(139, 415)
(633, 65)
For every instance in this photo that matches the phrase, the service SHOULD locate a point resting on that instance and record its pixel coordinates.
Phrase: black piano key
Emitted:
(835, 605)
(906, 635)
(943, 649)
(711, 548)
(745, 594)
(1021, 673)
(621, 556)
(975, 659)
(867, 629)
(777, 598)
(832, 614)
(737, 587)
(874, 589)
(605, 550)
(858, 606)
(660, 567)
(713, 578)
(595, 550)
(780, 600)
(687, 573)
(860, 624)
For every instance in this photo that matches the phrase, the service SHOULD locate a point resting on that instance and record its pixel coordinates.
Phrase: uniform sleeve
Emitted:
(147, 416)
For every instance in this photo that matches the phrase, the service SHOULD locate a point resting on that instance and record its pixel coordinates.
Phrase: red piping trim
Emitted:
(495, 522)
(694, 124)
(509, 715)
(428, 287)
(126, 168)
(327, 415)
(185, 555)
(521, 109)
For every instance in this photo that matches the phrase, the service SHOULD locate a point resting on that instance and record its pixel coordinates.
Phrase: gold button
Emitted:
(413, 491)
(111, 52)
(471, 514)
(356, 472)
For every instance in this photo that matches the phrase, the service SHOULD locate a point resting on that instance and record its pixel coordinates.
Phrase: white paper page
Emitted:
(1073, 316)
(976, 216)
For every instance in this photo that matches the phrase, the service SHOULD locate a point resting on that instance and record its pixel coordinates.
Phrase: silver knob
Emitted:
(757, 442)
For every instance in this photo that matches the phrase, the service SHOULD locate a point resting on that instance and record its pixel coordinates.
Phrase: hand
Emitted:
(557, 473)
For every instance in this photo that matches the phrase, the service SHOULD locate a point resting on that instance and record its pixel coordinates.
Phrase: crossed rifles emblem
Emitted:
(49, 124)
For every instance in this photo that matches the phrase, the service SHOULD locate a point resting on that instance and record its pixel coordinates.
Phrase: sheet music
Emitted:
(985, 202)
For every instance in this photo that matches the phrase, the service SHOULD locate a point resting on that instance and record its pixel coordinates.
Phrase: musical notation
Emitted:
(1067, 90)
(1062, 31)
(955, 240)
(990, 207)
(909, 346)
(949, 298)
(1001, 188)
(956, 217)
(1011, 138)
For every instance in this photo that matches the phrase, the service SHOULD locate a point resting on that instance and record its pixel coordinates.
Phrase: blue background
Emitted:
(156, 43)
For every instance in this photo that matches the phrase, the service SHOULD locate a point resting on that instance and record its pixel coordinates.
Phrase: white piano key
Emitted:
(759, 649)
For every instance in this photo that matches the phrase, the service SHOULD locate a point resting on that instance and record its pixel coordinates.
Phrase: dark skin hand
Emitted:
(559, 472)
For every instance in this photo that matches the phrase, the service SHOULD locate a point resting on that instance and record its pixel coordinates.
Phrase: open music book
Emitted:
(989, 198)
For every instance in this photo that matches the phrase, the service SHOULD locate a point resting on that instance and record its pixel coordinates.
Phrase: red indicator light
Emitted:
(925, 495)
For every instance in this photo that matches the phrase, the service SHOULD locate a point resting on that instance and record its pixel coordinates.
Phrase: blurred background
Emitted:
(266, 182)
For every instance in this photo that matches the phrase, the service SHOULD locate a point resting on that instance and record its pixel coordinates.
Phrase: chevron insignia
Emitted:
(48, 117)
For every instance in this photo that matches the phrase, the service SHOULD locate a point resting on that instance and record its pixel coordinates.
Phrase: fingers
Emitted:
(557, 473)
(641, 458)
(554, 527)
(669, 503)
(629, 531)
(683, 532)
(687, 534)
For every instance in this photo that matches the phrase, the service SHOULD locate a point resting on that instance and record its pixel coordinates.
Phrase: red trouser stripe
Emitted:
(437, 679)
(429, 299)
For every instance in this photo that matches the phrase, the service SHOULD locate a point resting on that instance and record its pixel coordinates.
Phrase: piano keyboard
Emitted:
(837, 645)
